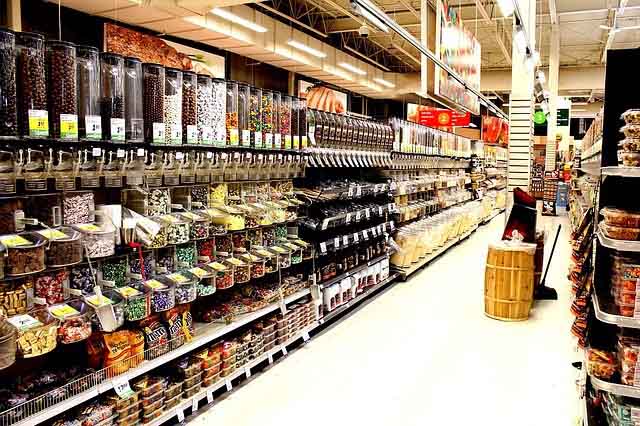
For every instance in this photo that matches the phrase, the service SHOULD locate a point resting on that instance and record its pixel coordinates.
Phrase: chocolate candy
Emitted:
(186, 293)
(205, 249)
(31, 80)
(115, 270)
(78, 208)
(8, 112)
(25, 259)
(162, 300)
(153, 102)
(50, 286)
(61, 66)
(68, 251)
(189, 105)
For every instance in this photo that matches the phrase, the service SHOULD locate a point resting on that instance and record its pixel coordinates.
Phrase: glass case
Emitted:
(112, 96)
(133, 105)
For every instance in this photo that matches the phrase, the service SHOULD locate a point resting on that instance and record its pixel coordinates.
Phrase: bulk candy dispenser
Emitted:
(75, 321)
(64, 246)
(112, 96)
(33, 112)
(173, 106)
(133, 100)
(243, 114)
(25, 253)
(255, 117)
(88, 69)
(62, 85)
(8, 101)
(267, 119)
(153, 80)
(284, 125)
(205, 109)
(37, 332)
(232, 111)
(189, 107)
(221, 101)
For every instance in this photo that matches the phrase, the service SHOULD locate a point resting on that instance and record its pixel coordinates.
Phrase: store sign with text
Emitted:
(437, 117)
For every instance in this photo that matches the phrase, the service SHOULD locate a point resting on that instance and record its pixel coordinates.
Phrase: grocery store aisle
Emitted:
(423, 353)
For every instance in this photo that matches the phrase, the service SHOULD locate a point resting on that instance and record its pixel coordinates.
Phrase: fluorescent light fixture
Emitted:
(506, 7)
(341, 74)
(373, 86)
(370, 16)
(578, 110)
(351, 68)
(225, 14)
(384, 83)
(541, 77)
(472, 126)
(579, 103)
(520, 39)
(305, 48)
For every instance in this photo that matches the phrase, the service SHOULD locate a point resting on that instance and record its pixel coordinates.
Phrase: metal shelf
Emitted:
(622, 245)
(615, 388)
(600, 304)
(353, 271)
(629, 172)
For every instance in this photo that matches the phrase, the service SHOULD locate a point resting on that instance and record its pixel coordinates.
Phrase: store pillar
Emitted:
(554, 68)
(522, 106)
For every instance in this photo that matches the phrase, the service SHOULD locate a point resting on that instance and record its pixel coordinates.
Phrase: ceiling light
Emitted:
(308, 49)
(351, 68)
(634, 27)
(506, 7)
(225, 14)
(578, 110)
(521, 39)
(541, 77)
(384, 83)
(472, 126)
(357, 8)
(341, 74)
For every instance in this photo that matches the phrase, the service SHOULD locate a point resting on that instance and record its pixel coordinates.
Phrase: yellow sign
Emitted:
(14, 241)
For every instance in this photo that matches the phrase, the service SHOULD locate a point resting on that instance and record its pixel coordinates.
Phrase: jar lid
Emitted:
(188, 72)
(204, 76)
(27, 34)
(173, 70)
(60, 43)
(87, 48)
(110, 55)
(131, 59)
(151, 65)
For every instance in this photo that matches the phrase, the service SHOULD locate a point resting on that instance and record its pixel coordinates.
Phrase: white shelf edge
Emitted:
(615, 388)
(621, 245)
(630, 172)
(212, 331)
(619, 320)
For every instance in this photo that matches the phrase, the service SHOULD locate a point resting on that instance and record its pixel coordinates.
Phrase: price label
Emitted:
(350, 194)
(52, 234)
(268, 140)
(96, 152)
(374, 232)
(122, 388)
(365, 234)
(380, 210)
(277, 141)
(348, 218)
(68, 126)
(325, 224)
(192, 134)
(380, 230)
(176, 134)
(117, 129)
(367, 213)
(303, 142)
(356, 237)
(358, 215)
(39, 123)
(207, 134)
(296, 142)
(179, 155)
(391, 225)
(120, 153)
(345, 240)
(246, 137)
(194, 405)
(287, 141)
(209, 154)
(336, 242)
(257, 137)
(358, 190)
(63, 311)
(24, 322)
(93, 127)
(209, 396)
(14, 241)
(323, 247)
(228, 385)
(158, 133)
(140, 152)
(180, 414)
(234, 137)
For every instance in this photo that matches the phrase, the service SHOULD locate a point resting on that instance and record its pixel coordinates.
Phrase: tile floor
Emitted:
(423, 353)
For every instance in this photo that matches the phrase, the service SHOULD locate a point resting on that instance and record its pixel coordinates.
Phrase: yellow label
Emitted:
(217, 266)
(52, 234)
(170, 219)
(38, 123)
(63, 311)
(198, 272)
(264, 253)
(96, 300)
(287, 141)
(14, 241)
(191, 216)
(235, 262)
(128, 291)
(89, 227)
(234, 137)
(300, 242)
(154, 284)
(291, 246)
(179, 278)
(278, 249)
(68, 126)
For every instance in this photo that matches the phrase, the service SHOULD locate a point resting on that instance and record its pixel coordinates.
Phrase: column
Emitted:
(554, 69)
(424, 34)
(521, 106)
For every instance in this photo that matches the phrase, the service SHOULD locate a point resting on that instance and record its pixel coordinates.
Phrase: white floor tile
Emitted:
(423, 353)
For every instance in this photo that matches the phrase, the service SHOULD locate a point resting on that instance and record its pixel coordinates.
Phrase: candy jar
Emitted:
(186, 255)
(75, 321)
(221, 121)
(133, 101)
(8, 347)
(205, 109)
(137, 302)
(65, 246)
(173, 106)
(102, 320)
(62, 85)
(50, 286)
(241, 273)
(296, 251)
(267, 119)
(239, 240)
(232, 133)
(177, 228)
(224, 243)
(255, 117)
(25, 253)
(153, 81)
(243, 114)
(284, 117)
(184, 284)
(224, 273)
(269, 258)
(206, 285)
(89, 121)
(113, 271)
(284, 256)
(98, 239)
(200, 224)
(37, 332)
(112, 96)
(162, 295)
(257, 264)
(33, 114)
(189, 107)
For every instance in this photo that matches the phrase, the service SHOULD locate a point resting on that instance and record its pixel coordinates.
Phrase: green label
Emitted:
(68, 126)
(117, 129)
(93, 127)
(38, 123)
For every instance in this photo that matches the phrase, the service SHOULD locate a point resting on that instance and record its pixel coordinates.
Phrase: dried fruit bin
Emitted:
(162, 295)
(64, 248)
(98, 239)
(25, 253)
(75, 321)
(37, 332)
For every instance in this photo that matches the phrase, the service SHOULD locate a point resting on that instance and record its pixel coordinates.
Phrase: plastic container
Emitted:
(268, 116)
(189, 107)
(206, 284)
(189, 370)
(137, 302)
(193, 390)
(221, 122)
(123, 404)
(631, 131)
(103, 322)
(284, 118)
(132, 419)
(37, 332)
(133, 101)
(184, 284)
(132, 408)
(112, 99)
(25, 253)
(173, 106)
(173, 402)
(8, 347)
(256, 265)
(284, 256)
(177, 229)
(255, 117)
(630, 159)
(8, 101)
(153, 89)
(210, 380)
(31, 85)
(75, 321)
(98, 239)
(199, 224)
(15, 297)
(162, 295)
(270, 259)
(630, 145)
(631, 116)
(191, 381)
(619, 217)
(148, 386)
(277, 136)
(172, 390)
(147, 403)
(212, 371)
(620, 233)
(302, 123)
(241, 272)
(63, 94)
(88, 70)
(224, 273)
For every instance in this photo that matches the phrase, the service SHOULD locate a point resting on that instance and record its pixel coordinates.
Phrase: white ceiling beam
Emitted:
(410, 8)
(553, 12)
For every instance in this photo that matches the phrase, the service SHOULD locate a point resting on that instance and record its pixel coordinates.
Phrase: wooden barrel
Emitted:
(538, 259)
(508, 281)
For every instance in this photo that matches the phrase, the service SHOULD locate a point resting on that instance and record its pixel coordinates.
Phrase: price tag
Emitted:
(247, 372)
(24, 322)
(336, 242)
(365, 234)
(284, 351)
(120, 153)
(257, 137)
(277, 141)
(39, 123)
(14, 241)
(356, 237)
(140, 152)
(358, 215)
(380, 210)
(287, 141)
(207, 134)
(234, 137)
(93, 127)
(179, 155)
(345, 240)
(380, 229)
(228, 385)
(192, 134)
(305, 336)
(367, 213)
(374, 232)
(52, 234)
(325, 224)
(296, 142)
(348, 218)
(268, 140)
(122, 388)
(303, 142)
(323, 247)
(209, 154)
(390, 207)
(117, 129)
(180, 414)
(209, 396)
(96, 152)
(68, 126)
(270, 357)
(246, 137)
(158, 133)
(194, 405)
(176, 134)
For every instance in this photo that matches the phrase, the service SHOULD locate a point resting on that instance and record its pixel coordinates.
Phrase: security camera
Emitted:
(363, 31)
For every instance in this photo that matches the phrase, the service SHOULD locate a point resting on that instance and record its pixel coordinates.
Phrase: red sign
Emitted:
(440, 117)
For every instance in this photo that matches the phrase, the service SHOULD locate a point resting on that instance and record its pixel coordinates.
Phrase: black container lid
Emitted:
(110, 55)
(132, 59)
(87, 48)
(170, 69)
(60, 43)
(152, 65)
(27, 34)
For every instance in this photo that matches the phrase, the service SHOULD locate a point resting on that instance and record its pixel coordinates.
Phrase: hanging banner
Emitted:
(437, 117)
(495, 130)
(322, 98)
(460, 50)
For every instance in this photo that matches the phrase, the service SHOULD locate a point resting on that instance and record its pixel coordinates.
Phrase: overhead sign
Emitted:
(437, 117)
(539, 117)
